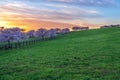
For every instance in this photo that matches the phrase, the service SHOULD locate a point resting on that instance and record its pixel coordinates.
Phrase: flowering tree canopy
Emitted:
(66, 30)
(17, 34)
(12, 34)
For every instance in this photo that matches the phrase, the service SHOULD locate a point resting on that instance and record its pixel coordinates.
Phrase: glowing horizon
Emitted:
(34, 14)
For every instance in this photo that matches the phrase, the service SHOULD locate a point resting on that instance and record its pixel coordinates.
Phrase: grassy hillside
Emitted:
(83, 55)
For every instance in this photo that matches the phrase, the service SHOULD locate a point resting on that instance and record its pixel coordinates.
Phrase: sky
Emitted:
(34, 14)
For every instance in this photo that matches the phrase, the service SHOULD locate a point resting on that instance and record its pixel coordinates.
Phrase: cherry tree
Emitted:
(51, 33)
(66, 30)
(40, 33)
(31, 34)
(58, 30)
(12, 34)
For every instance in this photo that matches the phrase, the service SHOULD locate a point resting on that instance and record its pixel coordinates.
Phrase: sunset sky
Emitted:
(34, 14)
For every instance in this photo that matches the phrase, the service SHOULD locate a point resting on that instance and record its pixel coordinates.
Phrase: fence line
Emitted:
(21, 44)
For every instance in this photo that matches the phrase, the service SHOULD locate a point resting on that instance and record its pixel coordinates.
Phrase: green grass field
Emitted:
(83, 55)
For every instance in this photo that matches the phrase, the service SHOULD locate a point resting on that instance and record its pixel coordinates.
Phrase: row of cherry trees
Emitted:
(17, 34)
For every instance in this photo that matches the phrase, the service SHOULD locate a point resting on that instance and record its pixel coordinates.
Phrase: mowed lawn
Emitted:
(82, 55)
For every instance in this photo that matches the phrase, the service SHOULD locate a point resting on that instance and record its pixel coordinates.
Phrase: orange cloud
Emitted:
(29, 22)
(30, 18)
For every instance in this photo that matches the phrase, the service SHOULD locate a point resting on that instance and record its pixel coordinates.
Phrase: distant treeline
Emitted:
(109, 26)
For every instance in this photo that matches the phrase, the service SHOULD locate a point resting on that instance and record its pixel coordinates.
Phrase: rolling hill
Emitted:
(81, 55)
